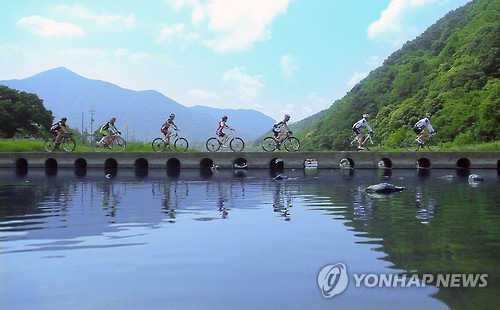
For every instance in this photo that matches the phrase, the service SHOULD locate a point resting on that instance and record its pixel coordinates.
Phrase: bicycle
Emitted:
(160, 144)
(430, 141)
(67, 142)
(370, 143)
(292, 144)
(236, 144)
(116, 143)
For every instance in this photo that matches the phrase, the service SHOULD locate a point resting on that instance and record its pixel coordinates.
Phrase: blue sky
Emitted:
(274, 56)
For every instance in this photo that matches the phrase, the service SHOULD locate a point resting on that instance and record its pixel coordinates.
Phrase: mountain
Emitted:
(139, 114)
(450, 71)
(242, 120)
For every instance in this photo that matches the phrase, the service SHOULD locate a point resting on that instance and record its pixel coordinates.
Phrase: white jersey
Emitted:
(279, 125)
(360, 123)
(424, 122)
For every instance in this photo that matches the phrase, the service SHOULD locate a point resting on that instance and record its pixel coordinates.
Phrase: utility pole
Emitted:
(92, 111)
(83, 137)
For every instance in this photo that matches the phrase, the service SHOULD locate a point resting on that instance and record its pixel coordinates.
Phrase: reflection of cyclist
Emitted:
(419, 128)
(108, 130)
(168, 123)
(356, 128)
(278, 127)
(219, 130)
(281, 205)
(59, 129)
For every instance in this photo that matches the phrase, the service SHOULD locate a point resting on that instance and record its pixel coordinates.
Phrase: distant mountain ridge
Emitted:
(140, 114)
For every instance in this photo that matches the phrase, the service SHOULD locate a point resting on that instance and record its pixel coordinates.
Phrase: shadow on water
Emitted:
(436, 226)
(424, 172)
(141, 172)
(110, 171)
(173, 173)
(206, 173)
(50, 171)
(81, 172)
(22, 171)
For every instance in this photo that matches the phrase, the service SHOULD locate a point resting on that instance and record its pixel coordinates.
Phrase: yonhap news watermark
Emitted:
(334, 279)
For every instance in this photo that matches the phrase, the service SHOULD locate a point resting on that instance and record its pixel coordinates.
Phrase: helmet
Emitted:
(427, 115)
(172, 115)
(112, 118)
(366, 116)
(287, 117)
(224, 117)
(64, 119)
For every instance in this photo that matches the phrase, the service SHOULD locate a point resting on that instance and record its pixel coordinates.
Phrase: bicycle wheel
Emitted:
(96, 146)
(69, 144)
(411, 145)
(237, 144)
(292, 144)
(181, 145)
(213, 144)
(269, 144)
(49, 145)
(373, 145)
(118, 144)
(158, 145)
(353, 146)
(434, 144)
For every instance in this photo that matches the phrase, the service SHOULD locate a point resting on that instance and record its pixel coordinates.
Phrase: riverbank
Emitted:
(23, 145)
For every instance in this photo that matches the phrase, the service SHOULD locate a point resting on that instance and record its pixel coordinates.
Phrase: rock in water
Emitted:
(383, 188)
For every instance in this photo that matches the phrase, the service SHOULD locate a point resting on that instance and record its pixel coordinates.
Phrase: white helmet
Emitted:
(366, 115)
(287, 117)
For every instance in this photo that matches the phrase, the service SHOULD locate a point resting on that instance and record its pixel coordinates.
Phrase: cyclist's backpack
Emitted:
(55, 127)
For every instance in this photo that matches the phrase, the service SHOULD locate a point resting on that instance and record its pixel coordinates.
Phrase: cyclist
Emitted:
(59, 129)
(419, 128)
(164, 128)
(219, 130)
(356, 128)
(108, 129)
(278, 128)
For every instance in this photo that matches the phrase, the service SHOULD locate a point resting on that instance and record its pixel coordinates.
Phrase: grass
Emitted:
(21, 145)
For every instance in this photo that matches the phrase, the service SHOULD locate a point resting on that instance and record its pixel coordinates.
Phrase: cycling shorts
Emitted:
(104, 132)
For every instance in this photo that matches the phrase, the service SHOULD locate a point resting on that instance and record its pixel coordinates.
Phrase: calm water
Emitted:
(190, 239)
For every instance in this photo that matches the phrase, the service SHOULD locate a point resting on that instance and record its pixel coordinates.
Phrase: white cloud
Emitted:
(233, 25)
(356, 78)
(389, 27)
(246, 87)
(203, 95)
(374, 61)
(132, 56)
(49, 27)
(416, 3)
(171, 31)
(179, 4)
(314, 104)
(397, 23)
(289, 66)
(104, 20)
(178, 32)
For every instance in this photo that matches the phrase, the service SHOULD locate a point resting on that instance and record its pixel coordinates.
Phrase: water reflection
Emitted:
(439, 224)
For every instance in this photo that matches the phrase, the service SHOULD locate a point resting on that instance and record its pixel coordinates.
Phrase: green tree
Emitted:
(22, 112)
(451, 71)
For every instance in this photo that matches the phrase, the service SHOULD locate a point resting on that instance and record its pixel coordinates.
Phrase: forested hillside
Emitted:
(451, 71)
